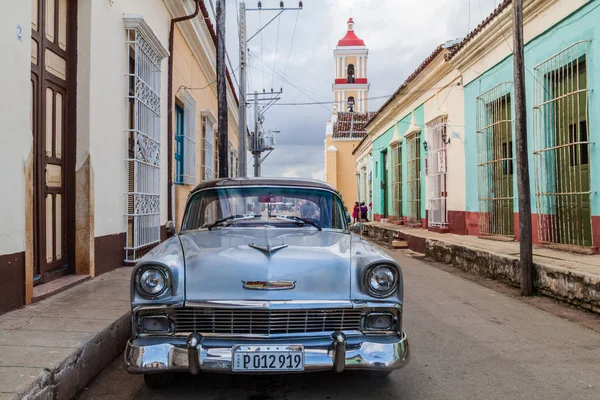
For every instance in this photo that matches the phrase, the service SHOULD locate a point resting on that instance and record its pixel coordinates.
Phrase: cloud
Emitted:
(398, 33)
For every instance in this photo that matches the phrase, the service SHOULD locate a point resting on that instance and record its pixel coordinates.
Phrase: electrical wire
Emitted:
(291, 46)
(261, 47)
(276, 52)
(306, 87)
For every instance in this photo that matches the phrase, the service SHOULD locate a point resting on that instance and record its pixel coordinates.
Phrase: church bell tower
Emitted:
(351, 86)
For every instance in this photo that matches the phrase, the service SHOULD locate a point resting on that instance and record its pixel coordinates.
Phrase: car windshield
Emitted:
(260, 206)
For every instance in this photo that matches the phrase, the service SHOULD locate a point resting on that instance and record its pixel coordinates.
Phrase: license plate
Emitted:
(268, 358)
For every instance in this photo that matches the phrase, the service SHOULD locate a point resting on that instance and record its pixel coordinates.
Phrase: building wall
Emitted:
(187, 72)
(103, 117)
(16, 157)
(580, 25)
(343, 175)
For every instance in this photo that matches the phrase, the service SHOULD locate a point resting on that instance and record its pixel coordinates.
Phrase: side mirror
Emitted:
(357, 229)
(170, 227)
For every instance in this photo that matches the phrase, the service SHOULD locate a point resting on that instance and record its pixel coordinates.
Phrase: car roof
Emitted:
(260, 181)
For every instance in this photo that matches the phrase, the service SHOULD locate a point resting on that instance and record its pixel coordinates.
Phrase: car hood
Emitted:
(218, 262)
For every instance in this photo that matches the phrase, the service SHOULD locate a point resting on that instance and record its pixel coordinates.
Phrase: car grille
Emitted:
(265, 322)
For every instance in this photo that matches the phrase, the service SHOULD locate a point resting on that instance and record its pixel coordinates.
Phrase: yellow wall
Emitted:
(341, 171)
(187, 72)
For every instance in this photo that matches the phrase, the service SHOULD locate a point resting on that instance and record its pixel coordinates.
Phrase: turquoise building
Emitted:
(563, 125)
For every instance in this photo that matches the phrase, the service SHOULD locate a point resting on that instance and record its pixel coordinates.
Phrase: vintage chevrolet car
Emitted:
(265, 276)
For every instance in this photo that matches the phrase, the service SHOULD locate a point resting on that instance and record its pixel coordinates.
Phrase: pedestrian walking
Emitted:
(363, 212)
(355, 212)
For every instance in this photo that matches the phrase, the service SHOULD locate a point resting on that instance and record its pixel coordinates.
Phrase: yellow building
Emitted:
(345, 129)
(195, 129)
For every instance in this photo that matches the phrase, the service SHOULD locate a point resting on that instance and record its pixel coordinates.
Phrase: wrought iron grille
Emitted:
(397, 181)
(436, 173)
(562, 147)
(143, 139)
(413, 155)
(495, 167)
(264, 322)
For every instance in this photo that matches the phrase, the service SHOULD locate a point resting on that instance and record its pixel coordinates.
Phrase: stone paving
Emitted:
(51, 349)
(570, 277)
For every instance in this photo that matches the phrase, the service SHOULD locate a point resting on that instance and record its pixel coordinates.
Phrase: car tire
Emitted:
(378, 374)
(160, 380)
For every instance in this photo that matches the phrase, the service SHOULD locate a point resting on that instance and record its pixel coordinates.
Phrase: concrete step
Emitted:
(400, 244)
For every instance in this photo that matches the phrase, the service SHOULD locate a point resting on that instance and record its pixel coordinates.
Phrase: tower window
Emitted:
(351, 104)
(351, 73)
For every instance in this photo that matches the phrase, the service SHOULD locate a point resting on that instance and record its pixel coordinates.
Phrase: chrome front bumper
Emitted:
(195, 354)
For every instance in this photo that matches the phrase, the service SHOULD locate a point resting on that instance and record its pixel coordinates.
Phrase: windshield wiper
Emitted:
(300, 221)
(232, 218)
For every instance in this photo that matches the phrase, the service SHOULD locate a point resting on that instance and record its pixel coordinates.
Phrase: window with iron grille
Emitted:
(562, 147)
(413, 162)
(495, 166)
(436, 173)
(397, 181)
(208, 121)
(143, 132)
(185, 142)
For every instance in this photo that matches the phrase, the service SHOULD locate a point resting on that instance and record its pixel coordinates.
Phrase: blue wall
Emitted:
(581, 25)
(380, 145)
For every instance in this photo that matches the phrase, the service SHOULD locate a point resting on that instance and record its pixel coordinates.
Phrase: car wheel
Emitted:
(378, 374)
(156, 381)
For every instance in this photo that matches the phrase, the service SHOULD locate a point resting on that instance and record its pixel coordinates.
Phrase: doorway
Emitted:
(384, 182)
(52, 122)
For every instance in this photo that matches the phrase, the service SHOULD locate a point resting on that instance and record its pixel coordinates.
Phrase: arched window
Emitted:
(351, 73)
(351, 104)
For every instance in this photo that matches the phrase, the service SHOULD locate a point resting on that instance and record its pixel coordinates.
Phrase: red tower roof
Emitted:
(351, 39)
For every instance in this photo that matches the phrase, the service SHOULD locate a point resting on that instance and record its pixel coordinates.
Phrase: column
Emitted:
(337, 67)
(344, 97)
(364, 66)
(344, 68)
(359, 59)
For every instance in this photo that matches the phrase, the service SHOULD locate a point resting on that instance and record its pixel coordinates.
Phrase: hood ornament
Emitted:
(268, 249)
(269, 285)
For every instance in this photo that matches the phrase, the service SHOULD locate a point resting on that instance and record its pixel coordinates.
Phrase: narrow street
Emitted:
(467, 342)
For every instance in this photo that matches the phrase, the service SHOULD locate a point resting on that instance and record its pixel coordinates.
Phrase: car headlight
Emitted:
(381, 280)
(152, 281)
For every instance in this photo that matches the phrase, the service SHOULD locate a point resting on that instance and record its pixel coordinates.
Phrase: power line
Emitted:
(306, 87)
(291, 46)
(276, 51)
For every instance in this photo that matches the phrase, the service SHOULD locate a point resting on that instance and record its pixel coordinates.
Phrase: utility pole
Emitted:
(254, 141)
(223, 150)
(256, 137)
(242, 139)
(525, 228)
(257, 145)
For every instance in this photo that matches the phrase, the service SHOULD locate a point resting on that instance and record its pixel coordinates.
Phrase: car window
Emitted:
(277, 206)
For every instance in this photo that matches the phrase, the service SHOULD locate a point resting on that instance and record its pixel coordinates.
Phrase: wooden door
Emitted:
(49, 120)
(573, 178)
(502, 219)
(384, 178)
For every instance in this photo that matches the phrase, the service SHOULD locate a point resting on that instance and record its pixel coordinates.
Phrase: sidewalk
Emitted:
(573, 278)
(53, 348)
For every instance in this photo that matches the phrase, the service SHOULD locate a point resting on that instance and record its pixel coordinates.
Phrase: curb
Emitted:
(75, 372)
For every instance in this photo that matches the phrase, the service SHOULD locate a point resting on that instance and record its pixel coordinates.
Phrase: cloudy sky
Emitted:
(398, 33)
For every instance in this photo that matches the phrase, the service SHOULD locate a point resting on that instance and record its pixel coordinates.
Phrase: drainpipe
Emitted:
(170, 107)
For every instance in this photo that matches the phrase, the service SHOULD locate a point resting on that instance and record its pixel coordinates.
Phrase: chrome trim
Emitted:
(194, 341)
(266, 285)
(339, 351)
(151, 355)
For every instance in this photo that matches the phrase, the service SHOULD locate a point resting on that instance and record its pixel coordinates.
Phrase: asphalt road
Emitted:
(469, 340)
